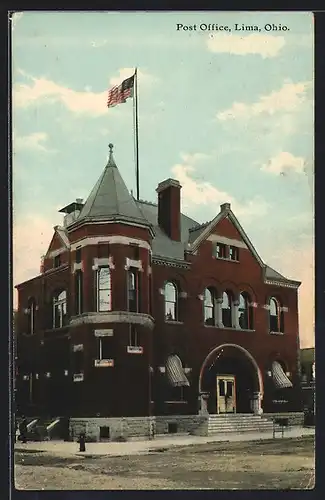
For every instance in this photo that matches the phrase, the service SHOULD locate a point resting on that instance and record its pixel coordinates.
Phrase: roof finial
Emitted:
(111, 162)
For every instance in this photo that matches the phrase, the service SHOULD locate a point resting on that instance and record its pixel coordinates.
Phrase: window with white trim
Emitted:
(171, 302)
(227, 305)
(133, 290)
(209, 306)
(104, 289)
(275, 316)
(134, 339)
(104, 348)
(60, 309)
(245, 312)
(221, 251)
(234, 253)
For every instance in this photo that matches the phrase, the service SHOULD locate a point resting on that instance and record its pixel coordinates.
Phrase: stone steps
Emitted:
(241, 423)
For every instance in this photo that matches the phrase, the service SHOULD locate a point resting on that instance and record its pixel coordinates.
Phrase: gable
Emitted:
(225, 230)
(226, 227)
(57, 245)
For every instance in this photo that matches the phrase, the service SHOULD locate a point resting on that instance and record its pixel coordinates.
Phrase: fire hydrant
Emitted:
(82, 442)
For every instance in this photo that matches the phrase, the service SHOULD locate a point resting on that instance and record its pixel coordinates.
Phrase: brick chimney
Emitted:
(169, 208)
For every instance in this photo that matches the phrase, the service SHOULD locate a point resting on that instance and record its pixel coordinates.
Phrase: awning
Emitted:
(175, 372)
(280, 379)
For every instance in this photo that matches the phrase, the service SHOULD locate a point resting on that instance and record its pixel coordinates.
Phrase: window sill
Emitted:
(276, 333)
(104, 363)
(227, 260)
(132, 349)
(229, 328)
(173, 322)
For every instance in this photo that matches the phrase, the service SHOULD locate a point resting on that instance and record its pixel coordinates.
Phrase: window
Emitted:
(221, 251)
(78, 255)
(60, 309)
(233, 253)
(276, 316)
(209, 307)
(134, 337)
(245, 312)
(78, 292)
(226, 309)
(78, 361)
(104, 347)
(57, 261)
(135, 251)
(102, 250)
(171, 313)
(133, 290)
(31, 311)
(104, 289)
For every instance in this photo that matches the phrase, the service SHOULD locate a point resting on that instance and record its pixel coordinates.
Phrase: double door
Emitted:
(226, 394)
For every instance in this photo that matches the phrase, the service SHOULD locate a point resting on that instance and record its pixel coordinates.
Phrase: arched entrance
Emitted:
(230, 381)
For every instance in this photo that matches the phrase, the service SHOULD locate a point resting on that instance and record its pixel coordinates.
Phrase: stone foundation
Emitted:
(295, 417)
(129, 428)
(133, 427)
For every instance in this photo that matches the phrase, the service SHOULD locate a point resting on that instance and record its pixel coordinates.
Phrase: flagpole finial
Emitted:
(111, 162)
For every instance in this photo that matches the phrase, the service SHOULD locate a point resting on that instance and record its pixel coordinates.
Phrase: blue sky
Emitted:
(228, 113)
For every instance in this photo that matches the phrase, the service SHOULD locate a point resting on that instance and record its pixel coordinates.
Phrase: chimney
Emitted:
(169, 208)
(224, 207)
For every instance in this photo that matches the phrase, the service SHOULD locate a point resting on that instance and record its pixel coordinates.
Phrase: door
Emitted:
(226, 394)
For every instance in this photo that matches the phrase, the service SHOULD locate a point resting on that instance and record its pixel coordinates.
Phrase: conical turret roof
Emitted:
(110, 198)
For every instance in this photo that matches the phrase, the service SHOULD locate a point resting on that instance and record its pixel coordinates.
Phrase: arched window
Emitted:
(171, 309)
(276, 316)
(31, 311)
(104, 289)
(245, 312)
(209, 307)
(59, 309)
(227, 309)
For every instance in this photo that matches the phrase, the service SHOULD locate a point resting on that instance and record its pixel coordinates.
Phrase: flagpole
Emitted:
(136, 132)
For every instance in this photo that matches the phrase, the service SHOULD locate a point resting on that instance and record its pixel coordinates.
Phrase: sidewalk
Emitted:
(71, 449)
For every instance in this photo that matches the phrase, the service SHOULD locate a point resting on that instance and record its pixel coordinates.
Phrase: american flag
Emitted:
(120, 93)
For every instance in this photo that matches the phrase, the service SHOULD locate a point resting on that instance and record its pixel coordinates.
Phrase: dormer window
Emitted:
(233, 253)
(221, 251)
(57, 261)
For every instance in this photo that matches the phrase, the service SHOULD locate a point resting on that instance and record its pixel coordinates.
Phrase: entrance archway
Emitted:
(230, 381)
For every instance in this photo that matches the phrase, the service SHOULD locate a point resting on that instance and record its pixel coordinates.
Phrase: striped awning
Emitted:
(280, 379)
(175, 372)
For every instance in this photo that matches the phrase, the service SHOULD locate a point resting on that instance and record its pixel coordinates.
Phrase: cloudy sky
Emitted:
(227, 113)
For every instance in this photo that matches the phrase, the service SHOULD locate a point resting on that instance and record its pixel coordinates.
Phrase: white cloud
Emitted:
(195, 193)
(288, 98)
(284, 162)
(42, 90)
(260, 44)
(32, 142)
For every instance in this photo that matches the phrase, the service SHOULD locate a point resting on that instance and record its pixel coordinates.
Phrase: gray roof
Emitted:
(273, 275)
(162, 245)
(110, 198)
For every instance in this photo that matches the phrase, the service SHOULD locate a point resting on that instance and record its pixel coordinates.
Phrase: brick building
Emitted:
(140, 311)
